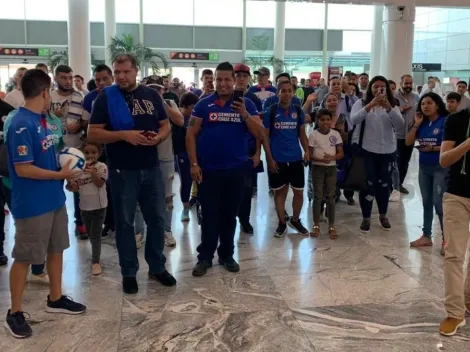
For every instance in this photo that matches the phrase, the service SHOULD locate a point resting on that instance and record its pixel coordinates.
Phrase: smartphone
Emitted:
(238, 95)
(168, 101)
(382, 90)
(150, 134)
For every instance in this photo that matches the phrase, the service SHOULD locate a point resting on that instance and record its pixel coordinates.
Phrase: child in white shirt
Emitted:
(91, 186)
(326, 146)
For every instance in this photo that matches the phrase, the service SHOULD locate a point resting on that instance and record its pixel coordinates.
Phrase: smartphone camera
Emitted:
(237, 95)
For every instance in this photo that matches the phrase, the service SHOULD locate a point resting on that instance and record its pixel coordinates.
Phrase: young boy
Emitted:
(38, 203)
(453, 101)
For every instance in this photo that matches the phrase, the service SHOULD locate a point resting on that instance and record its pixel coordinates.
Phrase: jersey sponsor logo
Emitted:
(21, 129)
(294, 115)
(436, 131)
(285, 125)
(22, 150)
(47, 142)
(224, 117)
(333, 141)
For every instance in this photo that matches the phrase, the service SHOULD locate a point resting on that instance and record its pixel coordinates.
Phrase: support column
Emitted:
(78, 27)
(377, 35)
(109, 28)
(279, 36)
(244, 31)
(324, 71)
(398, 28)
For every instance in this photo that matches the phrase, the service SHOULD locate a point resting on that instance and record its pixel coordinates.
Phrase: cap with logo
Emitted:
(263, 71)
(241, 68)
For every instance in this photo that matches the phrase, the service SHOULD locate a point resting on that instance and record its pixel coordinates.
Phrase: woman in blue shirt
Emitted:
(428, 129)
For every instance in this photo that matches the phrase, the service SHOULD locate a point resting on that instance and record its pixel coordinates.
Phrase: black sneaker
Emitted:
(385, 224)
(297, 225)
(280, 231)
(351, 201)
(200, 269)
(286, 216)
(192, 202)
(230, 264)
(65, 305)
(246, 227)
(403, 190)
(129, 285)
(17, 325)
(365, 226)
(165, 278)
(3, 259)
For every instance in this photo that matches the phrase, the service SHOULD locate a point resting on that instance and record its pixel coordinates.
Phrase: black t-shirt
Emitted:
(455, 130)
(172, 96)
(178, 135)
(307, 92)
(148, 111)
(5, 109)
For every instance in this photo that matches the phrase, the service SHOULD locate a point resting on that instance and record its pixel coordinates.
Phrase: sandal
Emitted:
(332, 233)
(316, 231)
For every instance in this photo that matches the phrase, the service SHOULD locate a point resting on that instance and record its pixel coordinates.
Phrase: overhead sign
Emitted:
(427, 67)
(185, 55)
(25, 52)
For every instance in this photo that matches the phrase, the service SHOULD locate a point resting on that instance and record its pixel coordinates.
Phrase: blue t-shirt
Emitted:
(89, 99)
(223, 141)
(29, 141)
(284, 138)
(275, 100)
(148, 111)
(430, 133)
(263, 93)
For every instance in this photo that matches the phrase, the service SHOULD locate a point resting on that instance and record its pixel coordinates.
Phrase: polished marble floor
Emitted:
(359, 293)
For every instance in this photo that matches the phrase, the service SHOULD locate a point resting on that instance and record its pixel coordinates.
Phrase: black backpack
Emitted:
(272, 116)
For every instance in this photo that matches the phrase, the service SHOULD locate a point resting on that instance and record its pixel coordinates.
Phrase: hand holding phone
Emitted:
(150, 134)
(238, 95)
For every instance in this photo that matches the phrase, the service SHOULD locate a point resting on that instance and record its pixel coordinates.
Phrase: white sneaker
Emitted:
(169, 240)
(395, 196)
(41, 279)
(138, 240)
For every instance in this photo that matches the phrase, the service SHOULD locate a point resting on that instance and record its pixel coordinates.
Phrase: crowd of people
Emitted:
(353, 135)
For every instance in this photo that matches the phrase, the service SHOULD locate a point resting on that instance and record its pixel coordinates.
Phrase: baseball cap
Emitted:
(241, 68)
(153, 81)
(263, 71)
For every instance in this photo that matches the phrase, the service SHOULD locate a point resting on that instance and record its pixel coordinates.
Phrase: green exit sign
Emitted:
(44, 52)
(213, 56)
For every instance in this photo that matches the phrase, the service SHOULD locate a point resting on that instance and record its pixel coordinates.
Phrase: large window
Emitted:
(178, 12)
(12, 10)
(222, 13)
(260, 14)
(127, 11)
(342, 16)
(96, 11)
(357, 41)
(46, 10)
(305, 15)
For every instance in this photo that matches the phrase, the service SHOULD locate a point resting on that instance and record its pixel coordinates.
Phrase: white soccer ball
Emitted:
(77, 157)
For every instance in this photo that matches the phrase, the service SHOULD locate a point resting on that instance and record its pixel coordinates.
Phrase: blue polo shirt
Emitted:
(263, 93)
(29, 141)
(430, 133)
(275, 100)
(148, 111)
(284, 138)
(223, 141)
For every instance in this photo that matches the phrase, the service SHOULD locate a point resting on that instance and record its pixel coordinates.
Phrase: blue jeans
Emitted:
(378, 169)
(220, 194)
(432, 185)
(183, 167)
(145, 187)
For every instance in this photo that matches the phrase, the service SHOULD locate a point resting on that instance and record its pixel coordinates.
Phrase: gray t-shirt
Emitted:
(165, 148)
(92, 197)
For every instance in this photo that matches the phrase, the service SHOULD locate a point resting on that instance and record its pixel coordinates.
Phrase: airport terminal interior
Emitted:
(364, 291)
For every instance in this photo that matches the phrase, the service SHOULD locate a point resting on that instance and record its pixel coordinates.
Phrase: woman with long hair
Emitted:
(428, 130)
(375, 117)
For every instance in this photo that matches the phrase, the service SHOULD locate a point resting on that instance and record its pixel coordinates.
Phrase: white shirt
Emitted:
(92, 197)
(15, 98)
(324, 144)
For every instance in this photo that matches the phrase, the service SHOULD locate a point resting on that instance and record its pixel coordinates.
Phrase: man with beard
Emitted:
(66, 104)
(408, 104)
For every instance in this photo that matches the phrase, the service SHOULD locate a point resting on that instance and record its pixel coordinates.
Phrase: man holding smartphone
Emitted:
(220, 171)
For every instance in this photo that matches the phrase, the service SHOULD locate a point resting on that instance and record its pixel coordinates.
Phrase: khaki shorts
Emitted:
(39, 235)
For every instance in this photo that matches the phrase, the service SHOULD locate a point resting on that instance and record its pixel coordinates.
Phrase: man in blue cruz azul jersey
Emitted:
(219, 164)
